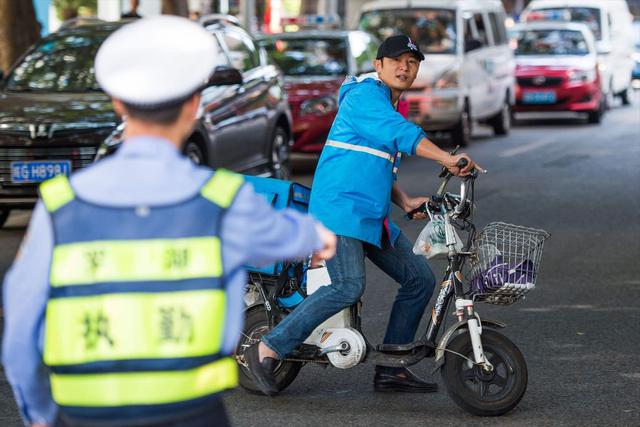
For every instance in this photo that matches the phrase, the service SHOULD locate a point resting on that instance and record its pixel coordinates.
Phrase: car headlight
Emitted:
(111, 142)
(319, 106)
(602, 67)
(582, 76)
(448, 80)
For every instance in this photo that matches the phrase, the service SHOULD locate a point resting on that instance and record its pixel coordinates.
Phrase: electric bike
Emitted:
(483, 371)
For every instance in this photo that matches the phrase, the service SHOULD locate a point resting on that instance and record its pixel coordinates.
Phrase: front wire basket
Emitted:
(506, 262)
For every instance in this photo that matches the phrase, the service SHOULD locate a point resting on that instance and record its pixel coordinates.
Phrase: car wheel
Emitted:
(279, 155)
(625, 95)
(501, 122)
(461, 133)
(4, 215)
(194, 152)
(595, 117)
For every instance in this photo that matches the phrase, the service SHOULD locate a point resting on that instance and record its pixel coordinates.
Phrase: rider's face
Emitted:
(398, 73)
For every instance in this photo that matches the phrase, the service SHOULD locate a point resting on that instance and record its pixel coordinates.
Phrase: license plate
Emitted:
(23, 172)
(539, 97)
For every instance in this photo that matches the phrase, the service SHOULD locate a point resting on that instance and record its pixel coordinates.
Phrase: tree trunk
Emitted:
(18, 30)
(310, 7)
(175, 7)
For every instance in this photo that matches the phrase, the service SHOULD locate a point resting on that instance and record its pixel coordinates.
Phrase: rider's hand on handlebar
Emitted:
(328, 249)
(414, 203)
(452, 162)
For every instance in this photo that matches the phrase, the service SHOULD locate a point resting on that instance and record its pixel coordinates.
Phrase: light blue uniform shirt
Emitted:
(351, 192)
(144, 172)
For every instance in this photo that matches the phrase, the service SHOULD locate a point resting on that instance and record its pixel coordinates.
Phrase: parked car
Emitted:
(54, 116)
(315, 63)
(468, 74)
(557, 69)
(610, 22)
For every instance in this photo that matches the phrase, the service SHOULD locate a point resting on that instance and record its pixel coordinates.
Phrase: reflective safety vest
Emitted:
(136, 311)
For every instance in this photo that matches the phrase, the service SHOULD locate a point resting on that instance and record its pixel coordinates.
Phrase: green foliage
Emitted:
(66, 9)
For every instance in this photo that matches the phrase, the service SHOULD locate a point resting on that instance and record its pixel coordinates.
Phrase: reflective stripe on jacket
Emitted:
(135, 316)
(351, 192)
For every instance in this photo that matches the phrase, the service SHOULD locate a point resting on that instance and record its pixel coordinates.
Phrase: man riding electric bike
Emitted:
(353, 186)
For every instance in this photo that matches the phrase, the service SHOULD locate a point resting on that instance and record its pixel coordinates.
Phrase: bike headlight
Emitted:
(582, 76)
(448, 80)
(319, 106)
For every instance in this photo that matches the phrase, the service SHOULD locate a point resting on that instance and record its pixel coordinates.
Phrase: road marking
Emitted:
(632, 375)
(527, 147)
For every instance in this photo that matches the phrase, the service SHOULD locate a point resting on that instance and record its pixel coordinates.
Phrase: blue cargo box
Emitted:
(280, 194)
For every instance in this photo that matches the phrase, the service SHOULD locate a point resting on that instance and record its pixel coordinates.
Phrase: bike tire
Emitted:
(509, 382)
(256, 325)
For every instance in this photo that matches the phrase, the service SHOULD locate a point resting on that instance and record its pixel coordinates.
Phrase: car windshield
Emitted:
(310, 56)
(586, 15)
(551, 42)
(433, 29)
(63, 64)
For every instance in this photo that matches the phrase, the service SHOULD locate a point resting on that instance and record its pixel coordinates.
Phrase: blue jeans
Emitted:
(347, 272)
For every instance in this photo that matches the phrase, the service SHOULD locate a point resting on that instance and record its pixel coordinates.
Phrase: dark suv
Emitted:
(54, 116)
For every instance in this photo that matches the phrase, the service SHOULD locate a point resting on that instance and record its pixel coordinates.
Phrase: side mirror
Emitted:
(224, 76)
(603, 47)
(472, 44)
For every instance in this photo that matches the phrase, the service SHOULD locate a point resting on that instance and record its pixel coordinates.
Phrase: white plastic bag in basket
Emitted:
(432, 239)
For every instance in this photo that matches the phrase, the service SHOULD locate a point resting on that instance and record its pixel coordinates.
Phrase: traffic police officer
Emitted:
(353, 187)
(125, 302)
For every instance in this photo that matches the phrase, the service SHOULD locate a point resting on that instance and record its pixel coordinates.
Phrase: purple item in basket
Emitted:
(499, 272)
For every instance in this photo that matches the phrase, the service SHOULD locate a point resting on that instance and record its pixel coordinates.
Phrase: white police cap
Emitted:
(155, 60)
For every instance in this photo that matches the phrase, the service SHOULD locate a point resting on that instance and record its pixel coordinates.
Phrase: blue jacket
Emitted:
(351, 193)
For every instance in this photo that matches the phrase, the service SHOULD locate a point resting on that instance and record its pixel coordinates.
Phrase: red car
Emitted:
(315, 63)
(557, 69)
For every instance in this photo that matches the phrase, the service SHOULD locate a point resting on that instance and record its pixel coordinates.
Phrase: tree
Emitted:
(19, 29)
(175, 7)
(67, 9)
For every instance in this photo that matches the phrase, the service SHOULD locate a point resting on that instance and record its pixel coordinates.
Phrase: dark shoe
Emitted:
(263, 372)
(404, 381)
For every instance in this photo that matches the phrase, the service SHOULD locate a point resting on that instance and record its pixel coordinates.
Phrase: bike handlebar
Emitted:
(435, 202)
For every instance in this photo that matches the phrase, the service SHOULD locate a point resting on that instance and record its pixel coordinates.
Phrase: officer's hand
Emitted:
(453, 161)
(328, 249)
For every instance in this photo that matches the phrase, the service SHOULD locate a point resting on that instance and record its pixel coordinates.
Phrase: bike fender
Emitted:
(442, 344)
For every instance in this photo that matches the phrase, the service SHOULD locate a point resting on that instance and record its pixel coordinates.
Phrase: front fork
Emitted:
(465, 311)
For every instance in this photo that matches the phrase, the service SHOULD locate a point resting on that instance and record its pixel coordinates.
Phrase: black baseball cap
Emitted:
(395, 46)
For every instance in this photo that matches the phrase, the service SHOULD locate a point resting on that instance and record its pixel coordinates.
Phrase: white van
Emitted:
(611, 24)
(468, 74)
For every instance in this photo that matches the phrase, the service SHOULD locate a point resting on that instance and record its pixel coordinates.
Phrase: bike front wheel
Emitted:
(477, 391)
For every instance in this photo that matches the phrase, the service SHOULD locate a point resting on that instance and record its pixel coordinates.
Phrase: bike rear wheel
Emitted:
(479, 392)
(255, 327)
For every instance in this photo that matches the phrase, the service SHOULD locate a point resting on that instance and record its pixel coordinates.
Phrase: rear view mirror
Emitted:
(472, 44)
(224, 76)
